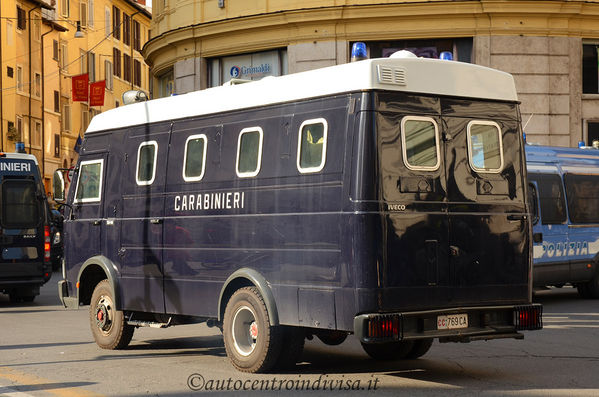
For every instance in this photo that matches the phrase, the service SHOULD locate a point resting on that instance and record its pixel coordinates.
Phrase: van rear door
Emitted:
(488, 223)
(455, 226)
(22, 232)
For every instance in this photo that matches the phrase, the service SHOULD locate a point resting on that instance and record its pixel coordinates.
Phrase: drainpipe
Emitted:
(43, 107)
(30, 70)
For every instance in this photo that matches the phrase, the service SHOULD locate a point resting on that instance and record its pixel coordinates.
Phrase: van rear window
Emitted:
(20, 206)
(484, 146)
(551, 197)
(420, 141)
(583, 197)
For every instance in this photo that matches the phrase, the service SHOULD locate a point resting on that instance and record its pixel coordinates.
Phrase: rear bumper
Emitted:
(484, 323)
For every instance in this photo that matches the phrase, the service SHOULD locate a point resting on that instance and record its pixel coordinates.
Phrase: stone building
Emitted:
(549, 46)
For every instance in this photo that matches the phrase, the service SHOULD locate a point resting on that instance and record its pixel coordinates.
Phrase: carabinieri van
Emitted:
(564, 197)
(384, 198)
(25, 263)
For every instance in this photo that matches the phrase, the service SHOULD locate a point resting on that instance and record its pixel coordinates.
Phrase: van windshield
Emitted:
(20, 207)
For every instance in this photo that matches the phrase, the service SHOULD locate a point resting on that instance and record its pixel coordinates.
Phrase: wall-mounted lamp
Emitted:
(221, 3)
(78, 33)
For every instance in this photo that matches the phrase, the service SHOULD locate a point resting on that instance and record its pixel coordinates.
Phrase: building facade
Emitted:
(549, 46)
(112, 33)
(43, 44)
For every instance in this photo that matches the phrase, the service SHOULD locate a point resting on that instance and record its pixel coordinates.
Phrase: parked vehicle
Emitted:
(564, 197)
(384, 198)
(24, 228)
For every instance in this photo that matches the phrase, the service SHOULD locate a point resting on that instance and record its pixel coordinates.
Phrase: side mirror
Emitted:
(58, 186)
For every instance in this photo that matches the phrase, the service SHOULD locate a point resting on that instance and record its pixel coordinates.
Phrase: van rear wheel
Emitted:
(108, 324)
(252, 344)
(389, 350)
(420, 348)
(590, 289)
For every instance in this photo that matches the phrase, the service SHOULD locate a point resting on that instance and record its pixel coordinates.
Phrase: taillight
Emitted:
(46, 243)
(528, 317)
(384, 327)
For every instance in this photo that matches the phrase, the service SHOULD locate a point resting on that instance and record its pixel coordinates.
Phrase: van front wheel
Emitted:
(252, 344)
(108, 325)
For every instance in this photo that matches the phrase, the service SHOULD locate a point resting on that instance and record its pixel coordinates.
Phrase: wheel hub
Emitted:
(254, 330)
(245, 330)
(102, 317)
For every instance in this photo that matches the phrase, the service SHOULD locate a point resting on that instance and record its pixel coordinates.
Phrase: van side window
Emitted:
(551, 197)
(420, 143)
(146, 163)
(194, 160)
(533, 201)
(312, 146)
(485, 149)
(89, 182)
(583, 197)
(249, 152)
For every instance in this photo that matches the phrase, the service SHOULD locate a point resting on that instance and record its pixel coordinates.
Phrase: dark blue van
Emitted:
(564, 197)
(384, 198)
(25, 262)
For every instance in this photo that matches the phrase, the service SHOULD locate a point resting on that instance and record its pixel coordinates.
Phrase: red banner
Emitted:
(96, 93)
(80, 87)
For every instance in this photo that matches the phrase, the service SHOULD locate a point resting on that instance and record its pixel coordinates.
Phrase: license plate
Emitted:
(452, 321)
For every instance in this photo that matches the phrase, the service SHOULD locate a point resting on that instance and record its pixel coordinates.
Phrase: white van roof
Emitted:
(19, 156)
(414, 75)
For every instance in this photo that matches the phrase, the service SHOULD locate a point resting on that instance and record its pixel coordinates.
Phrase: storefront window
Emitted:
(166, 84)
(461, 48)
(248, 66)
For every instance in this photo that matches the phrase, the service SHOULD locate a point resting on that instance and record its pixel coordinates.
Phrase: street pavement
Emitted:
(46, 350)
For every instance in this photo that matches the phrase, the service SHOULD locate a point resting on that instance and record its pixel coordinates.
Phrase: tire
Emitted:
(108, 325)
(251, 343)
(28, 298)
(14, 298)
(332, 338)
(292, 344)
(420, 348)
(590, 289)
(389, 350)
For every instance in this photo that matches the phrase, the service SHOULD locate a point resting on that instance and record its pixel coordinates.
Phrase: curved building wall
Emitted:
(549, 46)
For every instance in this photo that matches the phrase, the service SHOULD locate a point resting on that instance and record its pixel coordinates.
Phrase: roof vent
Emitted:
(390, 75)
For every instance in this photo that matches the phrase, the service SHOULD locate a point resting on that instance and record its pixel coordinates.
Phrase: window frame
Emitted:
(149, 182)
(21, 18)
(310, 170)
(19, 78)
(201, 176)
(470, 157)
(260, 147)
(109, 74)
(90, 199)
(404, 148)
(65, 8)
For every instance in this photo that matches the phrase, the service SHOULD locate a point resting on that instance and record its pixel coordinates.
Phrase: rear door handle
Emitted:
(155, 221)
(97, 222)
(516, 217)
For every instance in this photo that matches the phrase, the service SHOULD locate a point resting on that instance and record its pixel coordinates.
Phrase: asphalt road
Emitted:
(46, 350)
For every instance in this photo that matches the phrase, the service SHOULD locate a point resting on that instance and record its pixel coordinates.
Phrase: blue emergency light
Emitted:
(358, 52)
(446, 56)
